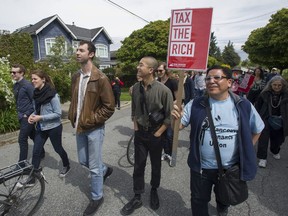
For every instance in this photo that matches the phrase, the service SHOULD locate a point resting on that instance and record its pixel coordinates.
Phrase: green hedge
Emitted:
(8, 120)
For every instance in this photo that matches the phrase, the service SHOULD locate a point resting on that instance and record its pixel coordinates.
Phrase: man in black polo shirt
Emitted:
(149, 98)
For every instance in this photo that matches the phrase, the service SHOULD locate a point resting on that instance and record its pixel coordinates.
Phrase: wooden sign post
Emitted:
(177, 122)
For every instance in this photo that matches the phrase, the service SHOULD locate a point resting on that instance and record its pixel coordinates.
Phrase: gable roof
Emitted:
(78, 33)
(39, 26)
(88, 34)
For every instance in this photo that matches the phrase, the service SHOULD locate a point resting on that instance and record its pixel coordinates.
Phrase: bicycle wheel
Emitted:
(20, 196)
(130, 151)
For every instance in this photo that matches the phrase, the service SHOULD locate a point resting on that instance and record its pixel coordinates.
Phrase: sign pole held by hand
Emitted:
(177, 122)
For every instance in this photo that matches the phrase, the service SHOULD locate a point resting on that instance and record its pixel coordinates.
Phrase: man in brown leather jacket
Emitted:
(92, 103)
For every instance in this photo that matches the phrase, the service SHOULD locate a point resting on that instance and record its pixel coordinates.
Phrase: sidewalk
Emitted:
(12, 137)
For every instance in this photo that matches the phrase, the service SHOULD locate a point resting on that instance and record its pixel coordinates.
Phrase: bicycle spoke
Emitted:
(23, 197)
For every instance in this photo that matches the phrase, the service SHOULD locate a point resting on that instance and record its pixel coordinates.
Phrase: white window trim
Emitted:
(75, 45)
(51, 42)
(101, 67)
(103, 49)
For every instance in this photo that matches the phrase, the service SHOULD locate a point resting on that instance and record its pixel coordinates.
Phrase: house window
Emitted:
(49, 43)
(101, 67)
(101, 51)
(75, 45)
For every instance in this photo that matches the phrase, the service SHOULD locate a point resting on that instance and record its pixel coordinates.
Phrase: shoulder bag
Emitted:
(230, 189)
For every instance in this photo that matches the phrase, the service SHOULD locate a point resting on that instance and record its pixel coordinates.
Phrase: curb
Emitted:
(12, 137)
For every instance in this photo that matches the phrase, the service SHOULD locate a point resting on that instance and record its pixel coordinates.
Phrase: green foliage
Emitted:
(62, 84)
(6, 94)
(62, 57)
(60, 65)
(8, 120)
(268, 46)
(125, 96)
(60, 51)
(60, 77)
(229, 55)
(214, 50)
(19, 48)
(110, 72)
(212, 61)
(152, 40)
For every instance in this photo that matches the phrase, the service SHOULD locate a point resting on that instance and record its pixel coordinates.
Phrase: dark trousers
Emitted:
(168, 140)
(26, 130)
(146, 143)
(55, 135)
(276, 139)
(201, 187)
(117, 98)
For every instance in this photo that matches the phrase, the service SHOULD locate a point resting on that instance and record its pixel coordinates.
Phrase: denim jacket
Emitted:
(51, 114)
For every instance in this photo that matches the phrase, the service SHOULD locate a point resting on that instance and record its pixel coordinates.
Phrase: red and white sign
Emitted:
(246, 83)
(189, 39)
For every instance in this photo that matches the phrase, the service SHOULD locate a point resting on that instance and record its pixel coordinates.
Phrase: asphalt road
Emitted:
(268, 193)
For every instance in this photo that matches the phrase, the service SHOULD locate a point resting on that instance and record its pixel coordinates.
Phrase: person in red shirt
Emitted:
(116, 87)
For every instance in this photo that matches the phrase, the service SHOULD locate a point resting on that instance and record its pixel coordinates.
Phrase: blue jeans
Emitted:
(89, 147)
(26, 130)
(201, 188)
(55, 136)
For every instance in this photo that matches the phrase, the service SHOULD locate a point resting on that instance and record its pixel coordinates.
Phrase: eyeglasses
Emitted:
(160, 70)
(216, 78)
(13, 72)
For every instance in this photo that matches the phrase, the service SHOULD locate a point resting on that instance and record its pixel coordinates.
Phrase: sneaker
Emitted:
(93, 206)
(262, 163)
(169, 159)
(276, 156)
(64, 171)
(163, 157)
(30, 182)
(108, 173)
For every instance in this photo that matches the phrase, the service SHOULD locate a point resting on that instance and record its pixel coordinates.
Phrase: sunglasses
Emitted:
(160, 70)
(13, 72)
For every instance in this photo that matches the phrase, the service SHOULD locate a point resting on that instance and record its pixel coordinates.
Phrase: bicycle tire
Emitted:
(25, 200)
(130, 151)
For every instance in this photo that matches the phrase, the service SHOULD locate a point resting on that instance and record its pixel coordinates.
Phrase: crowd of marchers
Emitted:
(248, 116)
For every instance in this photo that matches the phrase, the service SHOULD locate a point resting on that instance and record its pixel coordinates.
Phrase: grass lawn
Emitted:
(125, 96)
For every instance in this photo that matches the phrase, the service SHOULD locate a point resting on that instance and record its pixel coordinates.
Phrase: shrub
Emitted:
(62, 82)
(8, 120)
(6, 94)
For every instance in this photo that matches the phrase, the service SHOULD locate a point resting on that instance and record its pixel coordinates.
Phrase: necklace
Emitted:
(277, 104)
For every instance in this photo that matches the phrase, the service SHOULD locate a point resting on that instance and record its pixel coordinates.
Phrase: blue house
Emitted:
(45, 32)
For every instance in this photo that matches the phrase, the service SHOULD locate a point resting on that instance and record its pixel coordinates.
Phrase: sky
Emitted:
(232, 19)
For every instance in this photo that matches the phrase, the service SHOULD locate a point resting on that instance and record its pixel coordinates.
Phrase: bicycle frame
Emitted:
(16, 179)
